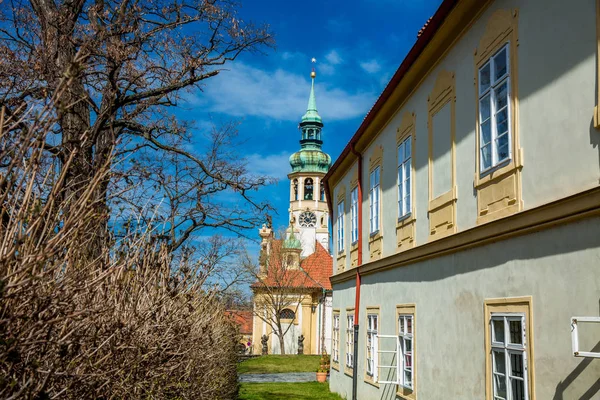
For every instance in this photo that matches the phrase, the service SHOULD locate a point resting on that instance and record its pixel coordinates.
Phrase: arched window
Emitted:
(311, 133)
(286, 313)
(322, 192)
(295, 189)
(289, 261)
(308, 189)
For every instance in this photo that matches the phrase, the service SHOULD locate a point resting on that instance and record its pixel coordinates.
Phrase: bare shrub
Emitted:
(134, 322)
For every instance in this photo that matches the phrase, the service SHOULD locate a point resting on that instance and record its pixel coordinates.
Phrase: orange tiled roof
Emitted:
(242, 318)
(314, 271)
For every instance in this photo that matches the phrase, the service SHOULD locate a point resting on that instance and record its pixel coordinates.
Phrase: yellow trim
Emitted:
(349, 370)
(442, 209)
(376, 244)
(336, 311)
(409, 308)
(569, 209)
(371, 310)
(405, 228)
(499, 191)
(509, 305)
(597, 107)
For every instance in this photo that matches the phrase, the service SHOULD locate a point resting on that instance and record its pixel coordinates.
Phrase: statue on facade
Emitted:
(265, 349)
(301, 344)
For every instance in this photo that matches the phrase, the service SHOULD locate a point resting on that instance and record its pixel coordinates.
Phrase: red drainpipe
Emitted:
(359, 263)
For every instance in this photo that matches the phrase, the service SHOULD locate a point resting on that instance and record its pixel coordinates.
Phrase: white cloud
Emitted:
(272, 165)
(248, 91)
(291, 55)
(334, 58)
(371, 67)
(326, 69)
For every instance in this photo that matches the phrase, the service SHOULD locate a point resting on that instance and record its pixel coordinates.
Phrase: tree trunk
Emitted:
(281, 343)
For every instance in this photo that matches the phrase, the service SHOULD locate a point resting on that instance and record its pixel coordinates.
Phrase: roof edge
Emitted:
(423, 39)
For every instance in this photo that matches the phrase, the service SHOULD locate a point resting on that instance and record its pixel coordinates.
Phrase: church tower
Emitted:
(308, 205)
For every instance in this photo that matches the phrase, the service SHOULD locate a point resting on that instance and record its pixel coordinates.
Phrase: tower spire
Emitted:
(311, 110)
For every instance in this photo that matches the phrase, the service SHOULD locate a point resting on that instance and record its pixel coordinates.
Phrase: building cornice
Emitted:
(569, 209)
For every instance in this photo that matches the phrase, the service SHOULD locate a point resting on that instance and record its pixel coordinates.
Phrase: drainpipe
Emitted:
(323, 315)
(357, 284)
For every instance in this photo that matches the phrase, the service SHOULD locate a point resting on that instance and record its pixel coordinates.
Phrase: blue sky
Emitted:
(358, 45)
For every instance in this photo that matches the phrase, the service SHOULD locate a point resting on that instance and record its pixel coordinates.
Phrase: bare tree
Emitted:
(281, 283)
(129, 63)
(141, 322)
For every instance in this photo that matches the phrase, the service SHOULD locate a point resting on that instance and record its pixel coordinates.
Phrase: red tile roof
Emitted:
(243, 319)
(314, 271)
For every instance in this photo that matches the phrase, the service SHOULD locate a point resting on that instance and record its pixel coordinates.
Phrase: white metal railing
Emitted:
(575, 336)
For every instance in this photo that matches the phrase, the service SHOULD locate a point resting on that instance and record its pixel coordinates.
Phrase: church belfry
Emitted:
(308, 206)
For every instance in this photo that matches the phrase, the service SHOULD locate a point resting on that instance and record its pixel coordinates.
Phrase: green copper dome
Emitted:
(292, 242)
(311, 158)
(310, 161)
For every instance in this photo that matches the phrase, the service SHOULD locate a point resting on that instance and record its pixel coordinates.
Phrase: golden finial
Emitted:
(313, 73)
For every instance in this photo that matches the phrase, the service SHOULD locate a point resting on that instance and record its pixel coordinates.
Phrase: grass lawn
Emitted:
(288, 391)
(274, 364)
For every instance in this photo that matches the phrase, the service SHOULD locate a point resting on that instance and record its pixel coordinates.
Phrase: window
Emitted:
(350, 340)
(335, 339)
(508, 333)
(286, 313)
(354, 214)
(374, 200)
(322, 189)
(494, 110)
(509, 356)
(406, 357)
(308, 189)
(340, 226)
(404, 172)
(295, 189)
(372, 346)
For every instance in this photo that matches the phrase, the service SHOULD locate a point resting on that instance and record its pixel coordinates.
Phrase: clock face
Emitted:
(307, 219)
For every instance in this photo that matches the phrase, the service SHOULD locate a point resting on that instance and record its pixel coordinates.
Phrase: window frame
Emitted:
(404, 163)
(354, 214)
(513, 308)
(492, 91)
(508, 349)
(340, 226)
(349, 364)
(335, 339)
(404, 392)
(372, 346)
(404, 336)
(374, 199)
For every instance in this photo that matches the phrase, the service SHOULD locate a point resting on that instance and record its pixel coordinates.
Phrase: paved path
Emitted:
(287, 377)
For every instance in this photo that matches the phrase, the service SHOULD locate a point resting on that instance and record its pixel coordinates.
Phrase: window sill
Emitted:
(371, 381)
(491, 170)
(354, 246)
(505, 168)
(405, 220)
(403, 394)
(335, 366)
(341, 254)
(374, 236)
(349, 371)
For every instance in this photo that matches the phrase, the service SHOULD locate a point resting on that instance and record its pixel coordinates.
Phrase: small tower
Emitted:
(308, 205)
(290, 251)
(266, 234)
